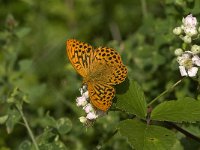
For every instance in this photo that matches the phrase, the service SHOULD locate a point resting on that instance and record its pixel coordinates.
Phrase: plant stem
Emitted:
(188, 134)
(144, 8)
(166, 91)
(29, 129)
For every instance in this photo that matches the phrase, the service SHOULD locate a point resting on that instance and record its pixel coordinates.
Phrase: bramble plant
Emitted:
(157, 106)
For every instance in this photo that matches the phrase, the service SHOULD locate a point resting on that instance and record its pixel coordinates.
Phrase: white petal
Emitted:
(86, 94)
(183, 71)
(91, 116)
(192, 71)
(88, 108)
(187, 55)
(81, 91)
(81, 101)
(196, 60)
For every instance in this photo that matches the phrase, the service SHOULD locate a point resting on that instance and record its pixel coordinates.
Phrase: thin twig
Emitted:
(166, 91)
(186, 133)
(144, 8)
(29, 129)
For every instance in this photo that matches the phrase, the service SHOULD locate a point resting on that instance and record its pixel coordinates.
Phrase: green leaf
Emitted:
(146, 137)
(49, 120)
(3, 119)
(48, 140)
(186, 109)
(133, 100)
(13, 118)
(25, 145)
(18, 97)
(26, 65)
(22, 32)
(64, 125)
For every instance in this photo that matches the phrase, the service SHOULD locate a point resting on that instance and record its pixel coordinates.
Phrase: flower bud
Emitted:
(189, 21)
(190, 31)
(178, 52)
(83, 119)
(177, 30)
(195, 49)
(187, 39)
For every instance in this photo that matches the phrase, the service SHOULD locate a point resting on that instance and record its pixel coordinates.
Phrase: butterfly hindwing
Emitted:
(101, 95)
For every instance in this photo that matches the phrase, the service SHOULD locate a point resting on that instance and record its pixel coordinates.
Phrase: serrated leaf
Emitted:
(55, 145)
(18, 97)
(3, 119)
(187, 109)
(13, 118)
(49, 121)
(64, 125)
(146, 137)
(48, 140)
(46, 136)
(133, 100)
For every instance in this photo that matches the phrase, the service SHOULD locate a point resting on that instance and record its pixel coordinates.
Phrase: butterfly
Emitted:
(101, 69)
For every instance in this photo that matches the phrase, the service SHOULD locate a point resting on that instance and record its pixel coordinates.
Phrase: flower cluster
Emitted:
(92, 113)
(188, 58)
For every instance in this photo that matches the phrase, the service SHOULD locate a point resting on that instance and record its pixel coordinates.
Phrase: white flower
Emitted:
(91, 112)
(88, 108)
(81, 101)
(189, 21)
(188, 64)
(91, 116)
(190, 31)
(191, 72)
(189, 26)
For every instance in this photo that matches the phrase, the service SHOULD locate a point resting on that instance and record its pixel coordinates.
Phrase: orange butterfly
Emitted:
(100, 68)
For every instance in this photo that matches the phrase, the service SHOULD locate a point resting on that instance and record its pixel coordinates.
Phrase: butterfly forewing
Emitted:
(80, 55)
(113, 60)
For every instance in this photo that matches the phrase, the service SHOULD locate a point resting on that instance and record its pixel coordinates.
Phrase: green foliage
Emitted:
(186, 109)
(143, 136)
(133, 101)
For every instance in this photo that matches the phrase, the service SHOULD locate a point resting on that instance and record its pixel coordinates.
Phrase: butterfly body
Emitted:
(100, 68)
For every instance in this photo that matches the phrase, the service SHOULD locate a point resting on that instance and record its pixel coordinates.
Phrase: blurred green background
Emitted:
(32, 58)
